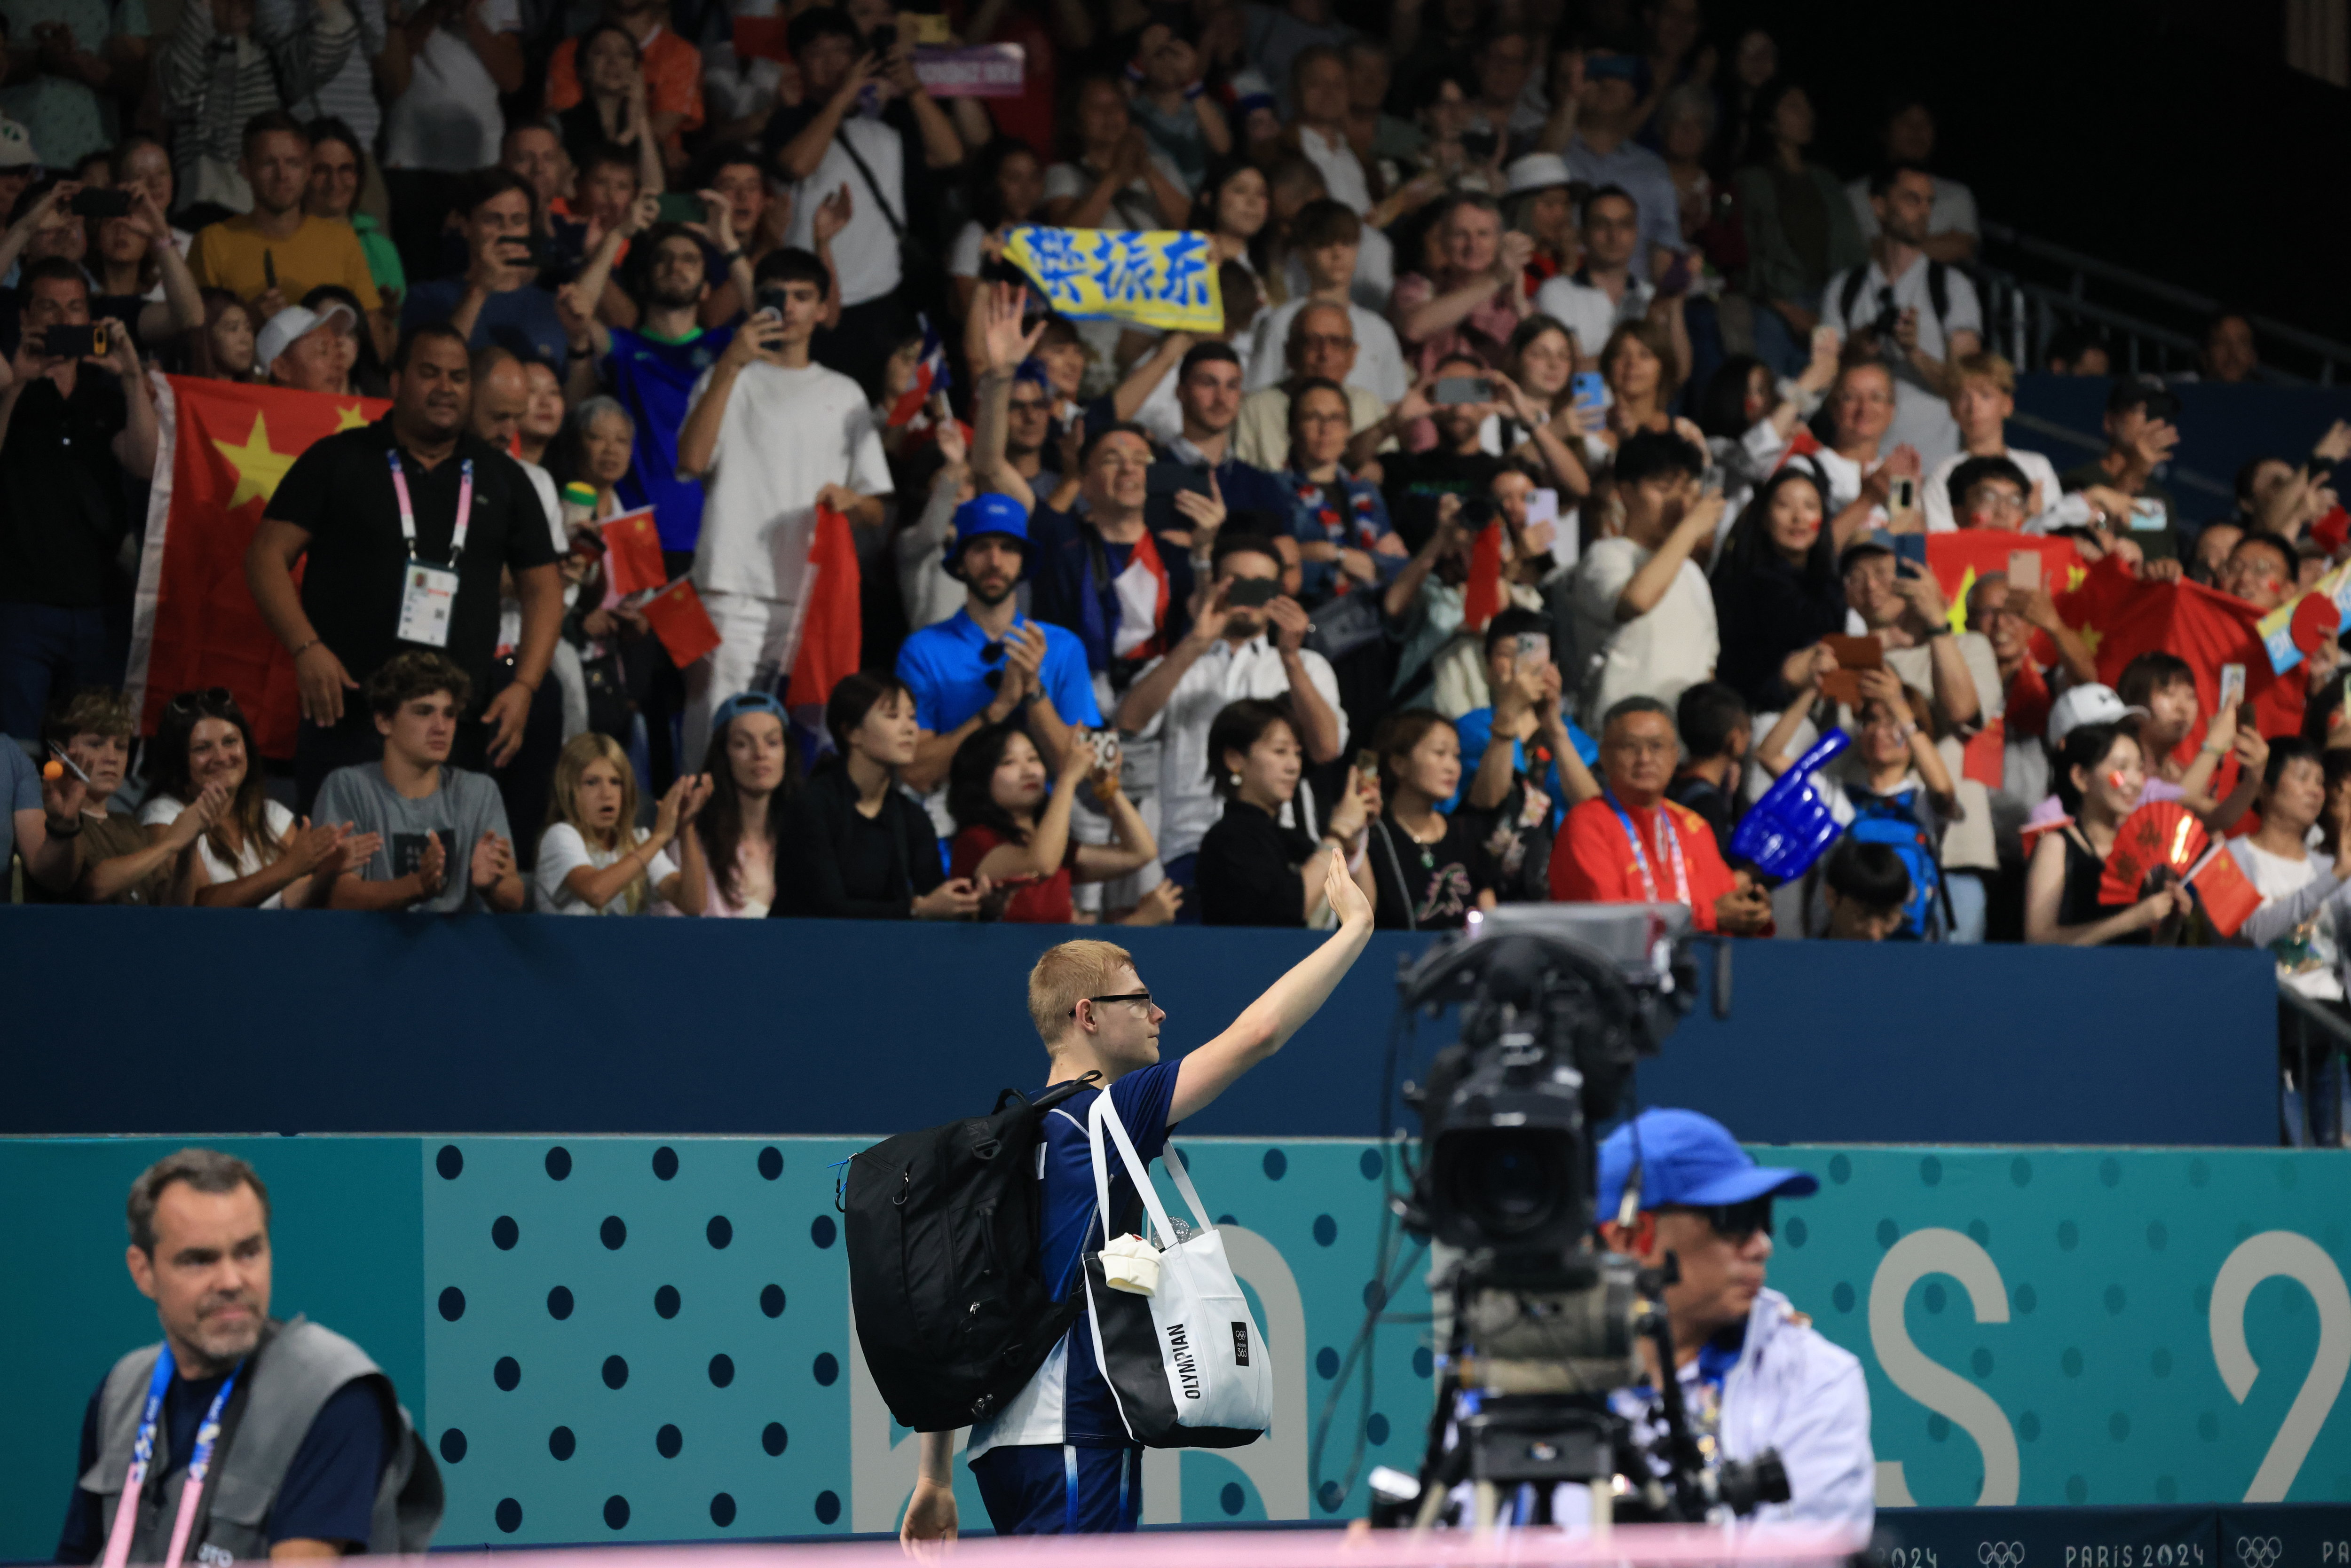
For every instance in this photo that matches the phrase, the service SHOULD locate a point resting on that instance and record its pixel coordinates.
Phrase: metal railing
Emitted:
(2046, 287)
(2302, 1019)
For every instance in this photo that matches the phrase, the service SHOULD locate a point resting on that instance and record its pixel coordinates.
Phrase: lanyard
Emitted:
(408, 512)
(1671, 839)
(142, 1453)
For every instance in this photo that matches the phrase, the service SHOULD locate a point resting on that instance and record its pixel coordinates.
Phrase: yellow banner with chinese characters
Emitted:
(1156, 278)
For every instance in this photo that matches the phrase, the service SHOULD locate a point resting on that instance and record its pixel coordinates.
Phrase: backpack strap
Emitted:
(1938, 294)
(1396, 863)
(1850, 295)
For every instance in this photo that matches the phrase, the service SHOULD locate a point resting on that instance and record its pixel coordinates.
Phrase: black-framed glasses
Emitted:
(197, 702)
(1142, 998)
(1734, 1222)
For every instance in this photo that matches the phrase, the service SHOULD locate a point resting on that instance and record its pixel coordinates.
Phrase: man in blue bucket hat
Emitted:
(1754, 1373)
(988, 662)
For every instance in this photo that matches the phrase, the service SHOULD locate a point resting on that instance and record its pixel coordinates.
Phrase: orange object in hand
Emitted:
(53, 769)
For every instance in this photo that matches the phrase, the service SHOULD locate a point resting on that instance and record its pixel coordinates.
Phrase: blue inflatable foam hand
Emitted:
(1791, 826)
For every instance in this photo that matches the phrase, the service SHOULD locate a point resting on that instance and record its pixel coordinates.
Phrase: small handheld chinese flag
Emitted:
(632, 552)
(2160, 833)
(2228, 895)
(684, 626)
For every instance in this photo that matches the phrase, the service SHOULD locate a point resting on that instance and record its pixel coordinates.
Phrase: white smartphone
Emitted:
(2233, 687)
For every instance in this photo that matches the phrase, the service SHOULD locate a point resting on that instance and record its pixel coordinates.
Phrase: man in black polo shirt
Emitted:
(370, 588)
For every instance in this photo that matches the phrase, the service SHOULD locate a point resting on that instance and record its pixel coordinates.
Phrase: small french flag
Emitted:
(930, 376)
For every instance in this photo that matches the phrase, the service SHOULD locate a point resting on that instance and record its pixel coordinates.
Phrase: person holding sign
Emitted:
(404, 526)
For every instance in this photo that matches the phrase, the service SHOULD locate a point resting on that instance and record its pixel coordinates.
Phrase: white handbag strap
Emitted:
(1174, 1163)
(1136, 1172)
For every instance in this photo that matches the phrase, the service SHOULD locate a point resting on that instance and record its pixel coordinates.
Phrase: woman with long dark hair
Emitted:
(856, 846)
(1776, 590)
(1009, 828)
(2100, 774)
(1231, 209)
(753, 773)
(254, 855)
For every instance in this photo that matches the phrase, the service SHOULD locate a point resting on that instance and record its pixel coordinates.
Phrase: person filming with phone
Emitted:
(77, 427)
(1643, 614)
(499, 297)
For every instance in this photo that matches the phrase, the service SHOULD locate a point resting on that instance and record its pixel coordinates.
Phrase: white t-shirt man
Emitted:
(1188, 805)
(1374, 279)
(787, 434)
(1922, 418)
(1585, 309)
(1660, 654)
(1379, 358)
(2040, 474)
(564, 850)
(449, 118)
(865, 252)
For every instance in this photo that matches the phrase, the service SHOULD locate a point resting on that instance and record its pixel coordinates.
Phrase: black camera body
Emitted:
(1557, 1003)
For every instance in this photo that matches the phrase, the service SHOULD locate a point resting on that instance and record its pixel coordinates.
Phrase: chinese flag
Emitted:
(1481, 596)
(1802, 442)
(223, 447)
(833, 626)
(2228, 896)
(632, 552)
(678, 618)
(1957, 558)
(2121, 618)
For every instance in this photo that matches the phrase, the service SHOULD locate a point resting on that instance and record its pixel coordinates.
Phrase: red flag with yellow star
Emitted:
(1959, 558)
(223, 447)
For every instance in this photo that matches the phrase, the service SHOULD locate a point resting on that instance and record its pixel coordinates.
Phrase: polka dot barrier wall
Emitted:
(622, 1305)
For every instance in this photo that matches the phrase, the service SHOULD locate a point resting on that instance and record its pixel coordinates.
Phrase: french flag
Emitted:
(930, 376)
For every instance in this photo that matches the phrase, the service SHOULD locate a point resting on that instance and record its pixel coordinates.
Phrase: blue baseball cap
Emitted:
(1691, 1160)
(982, 515)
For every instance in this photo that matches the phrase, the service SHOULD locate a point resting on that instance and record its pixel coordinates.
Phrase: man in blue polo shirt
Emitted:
(1754, 1373)
(1059, 1460)
(987, 662)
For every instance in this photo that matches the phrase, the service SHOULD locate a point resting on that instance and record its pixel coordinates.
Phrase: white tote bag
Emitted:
(1186, 1363)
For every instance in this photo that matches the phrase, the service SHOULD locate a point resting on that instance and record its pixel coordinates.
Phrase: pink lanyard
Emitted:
(1671, 839)
(408, 512)
(142, 1454)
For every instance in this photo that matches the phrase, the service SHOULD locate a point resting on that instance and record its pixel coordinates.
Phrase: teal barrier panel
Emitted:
(640, 1339)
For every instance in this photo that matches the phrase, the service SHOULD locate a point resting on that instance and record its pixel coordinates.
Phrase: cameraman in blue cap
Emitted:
(1754, 1373)
(988, 662)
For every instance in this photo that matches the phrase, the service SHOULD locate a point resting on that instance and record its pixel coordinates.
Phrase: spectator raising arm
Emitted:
(798, 159)
(1656, 574)
(697, 438)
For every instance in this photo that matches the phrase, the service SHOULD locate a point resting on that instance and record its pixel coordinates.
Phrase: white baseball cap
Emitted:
(1536, 171)
(291, 323)
(17, 146)
(2087, 704)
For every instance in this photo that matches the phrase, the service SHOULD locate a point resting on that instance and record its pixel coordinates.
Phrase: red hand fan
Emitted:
(2160, 833)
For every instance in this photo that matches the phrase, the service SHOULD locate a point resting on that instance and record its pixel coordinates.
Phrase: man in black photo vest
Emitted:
(238, 1437)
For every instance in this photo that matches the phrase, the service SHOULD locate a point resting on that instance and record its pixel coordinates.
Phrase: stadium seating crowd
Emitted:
(1566, 453)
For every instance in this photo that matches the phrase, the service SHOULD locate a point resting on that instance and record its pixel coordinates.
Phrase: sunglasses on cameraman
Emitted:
(1734, 1222)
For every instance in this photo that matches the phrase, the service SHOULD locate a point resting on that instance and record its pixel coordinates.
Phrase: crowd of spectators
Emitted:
(1569, 428)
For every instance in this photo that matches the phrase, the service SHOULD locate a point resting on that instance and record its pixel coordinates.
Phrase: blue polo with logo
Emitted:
(654, 381)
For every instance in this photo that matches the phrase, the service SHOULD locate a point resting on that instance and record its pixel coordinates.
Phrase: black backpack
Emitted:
(942, 1230)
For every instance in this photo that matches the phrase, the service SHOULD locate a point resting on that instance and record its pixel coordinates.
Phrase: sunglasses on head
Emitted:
(204, 701)
(1734, 1222)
